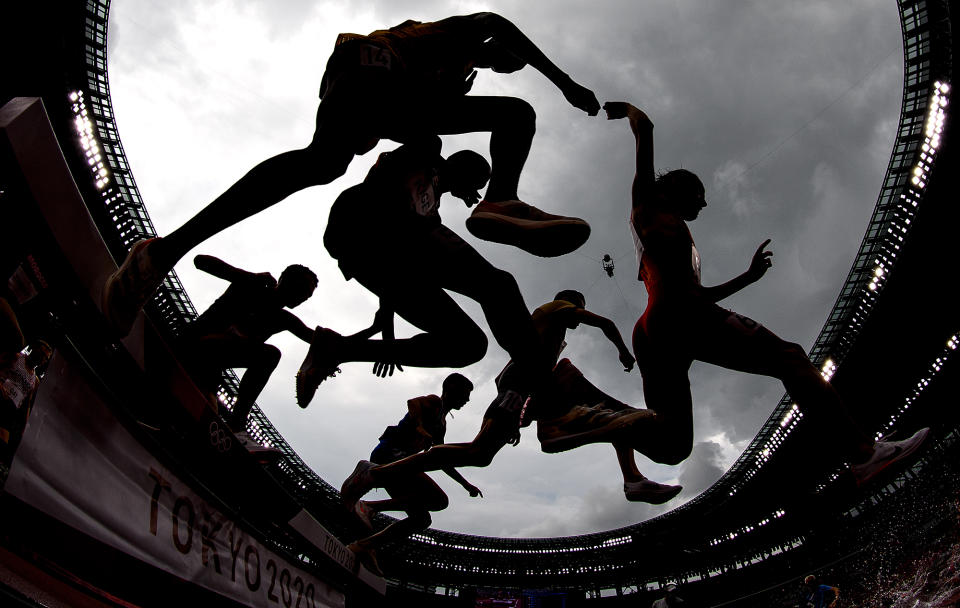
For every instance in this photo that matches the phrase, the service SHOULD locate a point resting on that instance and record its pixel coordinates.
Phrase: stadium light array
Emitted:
(606, 544)
(934, 368)
(909, 201)
(746, 528)
(88, 140)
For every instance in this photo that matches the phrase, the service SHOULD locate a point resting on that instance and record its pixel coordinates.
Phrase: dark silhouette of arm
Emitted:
(455, 475)
(509, 37)
(220, 269)
(609, 329)
(294, 325)
(759, 265)
(642, 128)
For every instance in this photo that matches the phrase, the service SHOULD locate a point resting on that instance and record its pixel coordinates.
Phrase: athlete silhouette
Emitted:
(400, 84)
(683, 323)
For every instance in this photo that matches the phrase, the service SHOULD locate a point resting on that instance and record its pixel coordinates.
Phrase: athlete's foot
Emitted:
(132, 285)
(646, 490)
(319, 364)
(366, 556)
(886, 453)
(582, 425)
(516, 223)
(359, 483)
(364, 513)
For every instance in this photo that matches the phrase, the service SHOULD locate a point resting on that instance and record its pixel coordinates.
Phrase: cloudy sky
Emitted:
(786, 110)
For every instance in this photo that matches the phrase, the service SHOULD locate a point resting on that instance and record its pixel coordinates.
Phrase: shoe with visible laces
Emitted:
(583, 424)
(886, 453)
(359, 483)
(364, 513)
(366, 556)
(317, 366)
(647, 490)
(127, 290)
(521, 225)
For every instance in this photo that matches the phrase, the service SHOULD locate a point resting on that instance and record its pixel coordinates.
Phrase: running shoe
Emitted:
(583, 424)
(886, 453)
(127, 290)
(359, 483)
(521, 225)
(647, 490)
(364, 513)
(317, 366)
(367, 557)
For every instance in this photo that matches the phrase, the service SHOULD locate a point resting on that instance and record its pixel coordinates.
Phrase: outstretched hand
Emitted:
(383, 320)
(381, 369)
(623, 109)
(761, 262)
(581, 97)
(473, 490)
(627, 360)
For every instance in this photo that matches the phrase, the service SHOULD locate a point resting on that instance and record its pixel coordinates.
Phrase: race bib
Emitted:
(422, 188)
(375, 56)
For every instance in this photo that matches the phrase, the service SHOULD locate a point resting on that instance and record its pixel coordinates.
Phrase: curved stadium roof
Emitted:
(743, 514)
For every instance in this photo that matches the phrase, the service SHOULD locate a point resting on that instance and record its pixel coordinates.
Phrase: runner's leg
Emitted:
(511, 123)
(666, 390)
(222, 351)
(414, 286)
(417, 496)
(742, 344)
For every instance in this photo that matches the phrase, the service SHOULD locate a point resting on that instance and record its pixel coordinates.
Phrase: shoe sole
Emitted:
(656, 497)
(898, 458)
(596, 435)
(546, 239)
(117, 313)
(305, 391)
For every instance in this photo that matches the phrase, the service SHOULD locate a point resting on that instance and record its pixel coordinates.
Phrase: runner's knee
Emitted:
(468, 345)
(437, 502)
(270, 356)
(793, 362)
(675, 454)
(520, 115)
(481, 456)
(419, 520)
(675, 447)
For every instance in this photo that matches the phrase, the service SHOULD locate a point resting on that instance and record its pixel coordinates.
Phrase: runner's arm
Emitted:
(455, 475)
(609, 329)
(294, 325)
(642, 128)
(382, 323)
(220, 269)
(511, 39)
(759, 265)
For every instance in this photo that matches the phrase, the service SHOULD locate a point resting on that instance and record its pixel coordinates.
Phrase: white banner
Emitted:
(77, 464)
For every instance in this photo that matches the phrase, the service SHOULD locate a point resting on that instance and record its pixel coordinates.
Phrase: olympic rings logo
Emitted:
(219, 438)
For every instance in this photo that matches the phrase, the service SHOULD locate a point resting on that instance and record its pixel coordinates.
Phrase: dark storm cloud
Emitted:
(702, 468)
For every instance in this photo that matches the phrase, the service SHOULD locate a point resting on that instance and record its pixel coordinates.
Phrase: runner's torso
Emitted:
(669, 260)
(552, 320)
(406, 439)
(244, 310)
(437, 55)
(404, 183)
